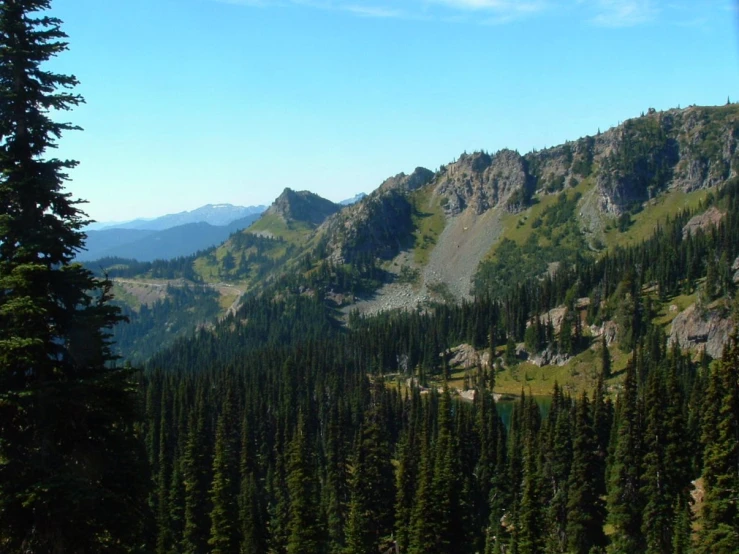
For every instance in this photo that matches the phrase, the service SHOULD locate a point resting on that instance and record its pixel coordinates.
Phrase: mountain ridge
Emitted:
(217, 215)
(484, 223)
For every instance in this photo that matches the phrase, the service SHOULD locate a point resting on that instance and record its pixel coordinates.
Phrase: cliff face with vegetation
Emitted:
(485, 222)
(676, 150)
(303, 206)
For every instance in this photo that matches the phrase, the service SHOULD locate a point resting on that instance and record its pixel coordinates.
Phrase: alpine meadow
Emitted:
(513, 353)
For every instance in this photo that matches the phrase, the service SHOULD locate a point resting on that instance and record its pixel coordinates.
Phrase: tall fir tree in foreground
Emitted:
(71, 477)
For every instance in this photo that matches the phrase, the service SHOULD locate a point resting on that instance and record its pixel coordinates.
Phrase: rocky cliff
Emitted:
(302, 206)
(480, 181)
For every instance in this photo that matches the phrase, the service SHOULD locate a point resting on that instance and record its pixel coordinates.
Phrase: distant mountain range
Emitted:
(184, 233)
(353, 200)
(213, 214)
(164, 243)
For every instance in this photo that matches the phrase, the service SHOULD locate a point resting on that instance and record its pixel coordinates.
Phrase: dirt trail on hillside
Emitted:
(149, 291)
(465, 241)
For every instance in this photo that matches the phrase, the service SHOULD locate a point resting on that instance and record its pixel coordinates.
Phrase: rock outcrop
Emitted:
(402, 182)
(302, 206)
(710, 218)
(467, 357)
(480, 181)
(699, 330)
(377, 225)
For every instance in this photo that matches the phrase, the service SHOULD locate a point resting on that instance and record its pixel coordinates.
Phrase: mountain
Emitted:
(353, 200)
(598, 280)
(100, 242)
(147, 245)
(485, 223)
(294, 216)
(302, 206)
(213, 214)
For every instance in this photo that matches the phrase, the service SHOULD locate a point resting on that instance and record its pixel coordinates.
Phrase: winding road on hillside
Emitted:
(156, 289)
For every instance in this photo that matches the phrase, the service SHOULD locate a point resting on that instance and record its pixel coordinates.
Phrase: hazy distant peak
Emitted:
(218, 215)
(353, 200)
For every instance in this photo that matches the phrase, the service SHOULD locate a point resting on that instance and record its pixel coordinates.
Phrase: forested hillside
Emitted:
(514, 354)
(281, 430)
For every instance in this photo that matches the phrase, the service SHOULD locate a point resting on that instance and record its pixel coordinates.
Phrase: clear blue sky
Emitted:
(192, 102)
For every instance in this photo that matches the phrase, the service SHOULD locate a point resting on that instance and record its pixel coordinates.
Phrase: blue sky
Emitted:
(192, 102)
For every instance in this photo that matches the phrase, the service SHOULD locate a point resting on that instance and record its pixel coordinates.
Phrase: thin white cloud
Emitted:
(506, 6)
(603, 13)
(373, 11)
(498, 10)
(624, 13)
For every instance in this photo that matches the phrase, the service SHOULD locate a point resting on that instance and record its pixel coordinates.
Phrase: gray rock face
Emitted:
(705, 163)
(481, 181)
(402, 182)
(696, 330)
(688, 149)
(710, 218)
(377, 224)
(549, 357)
(735, 268)
(302, 206)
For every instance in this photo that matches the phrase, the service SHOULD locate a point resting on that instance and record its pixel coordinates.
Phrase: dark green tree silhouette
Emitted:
(71, 477)
(586, 510)
(304, 525)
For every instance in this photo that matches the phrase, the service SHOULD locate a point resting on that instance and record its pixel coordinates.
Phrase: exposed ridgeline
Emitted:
(380, 224)
(440, 226)
(303, 206)
(484, 224)
(686, 150)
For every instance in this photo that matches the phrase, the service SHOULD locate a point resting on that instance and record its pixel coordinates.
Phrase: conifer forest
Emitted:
(290, 426)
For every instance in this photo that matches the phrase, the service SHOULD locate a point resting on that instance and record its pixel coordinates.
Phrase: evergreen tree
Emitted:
(224, 535)
(682, 528)
(585, 509)
(304, 525)
(371, 484)
(72, 477)
(625, 503)
(445, 513)
(196, 477)
(605, 359)
(720, 521)
(422, 528)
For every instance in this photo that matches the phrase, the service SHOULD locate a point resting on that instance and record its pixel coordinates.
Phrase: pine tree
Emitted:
(421, 526)
(72, 477)
(720, 521)
(682, 528)
(196, 477)
(605, 359)
(586, 511)
(625, 502)
(557, 461)
(445, 510)
(224, 535)
(371, 483)
(304, 525)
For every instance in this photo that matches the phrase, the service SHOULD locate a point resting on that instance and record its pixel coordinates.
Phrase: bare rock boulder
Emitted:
(710, 218)
(700, 330)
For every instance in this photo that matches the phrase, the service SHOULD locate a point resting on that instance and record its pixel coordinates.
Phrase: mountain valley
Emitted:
(476, 228)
